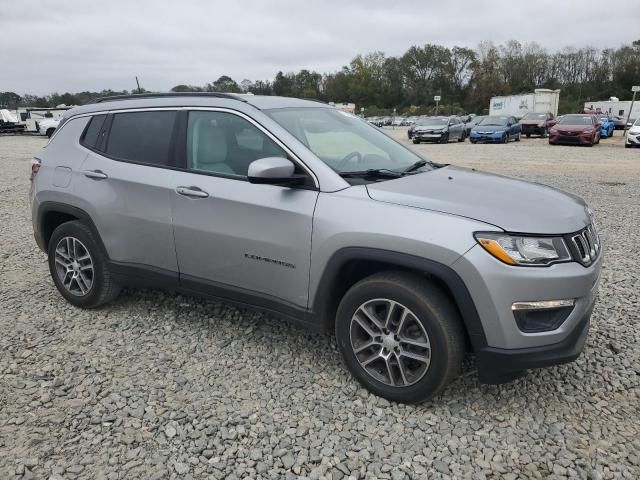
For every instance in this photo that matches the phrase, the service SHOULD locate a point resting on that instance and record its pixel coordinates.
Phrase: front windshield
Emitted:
(494, 121)
(637, 123)
(436, 122)
(576, 120)
(534, 116)
(343, 141)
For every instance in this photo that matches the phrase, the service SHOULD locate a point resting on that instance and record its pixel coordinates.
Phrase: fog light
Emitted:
(541, 316)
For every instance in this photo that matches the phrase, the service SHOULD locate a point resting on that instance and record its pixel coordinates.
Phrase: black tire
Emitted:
(415, 141)
(433, 310)
(506, 138)
(50, 132)
(445, 138)
(461, 137)
(103, 288)
(543, 133)
(528, 135)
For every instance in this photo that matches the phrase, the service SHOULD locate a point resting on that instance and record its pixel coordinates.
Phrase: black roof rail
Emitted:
(141, 96)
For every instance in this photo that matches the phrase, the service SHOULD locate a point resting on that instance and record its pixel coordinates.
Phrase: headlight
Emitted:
(588, 131)
(523, 250)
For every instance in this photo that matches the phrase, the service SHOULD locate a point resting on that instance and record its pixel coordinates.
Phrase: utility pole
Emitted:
(138, 83)
(635, 89)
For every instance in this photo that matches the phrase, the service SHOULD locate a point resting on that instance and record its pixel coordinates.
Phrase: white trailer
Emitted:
(615, 107)
(542, 100)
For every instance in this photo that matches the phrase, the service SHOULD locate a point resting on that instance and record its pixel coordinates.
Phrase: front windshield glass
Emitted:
(494, 121)
(343, 141)
(576, 120)
(637, 123)
(438, 122)
(534, 116)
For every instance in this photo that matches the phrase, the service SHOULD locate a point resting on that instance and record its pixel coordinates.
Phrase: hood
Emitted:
(511, 204)
(430, 127)
(565, 127)
(489, 128)
(531, 122)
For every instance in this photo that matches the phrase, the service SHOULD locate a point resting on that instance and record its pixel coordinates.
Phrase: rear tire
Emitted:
(79, 267)
(400, 336)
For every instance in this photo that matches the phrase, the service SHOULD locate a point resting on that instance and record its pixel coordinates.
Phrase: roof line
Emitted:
(142, 96)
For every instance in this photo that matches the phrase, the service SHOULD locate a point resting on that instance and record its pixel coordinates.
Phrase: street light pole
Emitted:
(635, 89)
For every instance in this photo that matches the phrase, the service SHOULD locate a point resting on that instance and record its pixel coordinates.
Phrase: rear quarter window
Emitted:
(91, 133)
(141, 137)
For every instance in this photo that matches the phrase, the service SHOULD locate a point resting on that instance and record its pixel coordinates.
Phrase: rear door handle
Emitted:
(194, 192)
(97, 174)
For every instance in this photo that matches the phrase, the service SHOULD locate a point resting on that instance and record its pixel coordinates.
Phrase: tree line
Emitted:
(465, 78)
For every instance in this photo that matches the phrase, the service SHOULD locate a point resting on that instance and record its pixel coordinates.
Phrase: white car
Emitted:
(48, 126)
(633, 135)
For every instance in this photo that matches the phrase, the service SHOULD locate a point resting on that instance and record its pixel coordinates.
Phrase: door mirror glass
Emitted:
(274, 171)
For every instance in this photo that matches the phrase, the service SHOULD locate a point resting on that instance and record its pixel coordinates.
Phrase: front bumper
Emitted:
(582, 139)
(506, 350)
(490, 138)
(532, 130)
(633, 139)
(429, 137)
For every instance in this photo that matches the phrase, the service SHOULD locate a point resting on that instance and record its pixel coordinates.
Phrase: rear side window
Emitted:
(90, 136)
(141, 137)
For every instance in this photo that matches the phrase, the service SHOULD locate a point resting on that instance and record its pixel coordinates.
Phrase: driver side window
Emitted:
(224, 143)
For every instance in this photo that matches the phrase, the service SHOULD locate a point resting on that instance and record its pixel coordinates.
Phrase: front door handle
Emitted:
(194, 192)
(97, 174)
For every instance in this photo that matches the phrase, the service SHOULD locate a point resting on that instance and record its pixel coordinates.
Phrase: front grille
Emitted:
(565, 139)
(585, 245)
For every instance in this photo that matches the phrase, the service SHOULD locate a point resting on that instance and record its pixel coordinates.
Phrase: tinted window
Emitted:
(142, 137)
(221, 142)
(90, 136)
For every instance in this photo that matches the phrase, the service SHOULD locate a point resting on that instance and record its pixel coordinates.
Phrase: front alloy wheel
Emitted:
(400, 336)
(390, 343)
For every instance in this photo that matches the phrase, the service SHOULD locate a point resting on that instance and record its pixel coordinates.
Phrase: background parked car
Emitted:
(537, 123)
(496, 129)
(48, 126)
(576, 129)
(472, 123)
(607, 126)
(438, 129)
(633, 135)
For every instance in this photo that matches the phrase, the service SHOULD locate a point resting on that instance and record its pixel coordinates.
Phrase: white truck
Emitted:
(31, 117)
(617, 109)
(542, 100)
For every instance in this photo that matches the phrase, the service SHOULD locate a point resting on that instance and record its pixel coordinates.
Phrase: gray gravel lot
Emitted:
(159, 385)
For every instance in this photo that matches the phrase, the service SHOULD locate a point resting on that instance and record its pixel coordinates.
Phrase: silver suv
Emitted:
(297, 208)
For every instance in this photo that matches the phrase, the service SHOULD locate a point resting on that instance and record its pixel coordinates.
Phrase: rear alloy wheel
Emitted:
(79, 267)
(400, 336)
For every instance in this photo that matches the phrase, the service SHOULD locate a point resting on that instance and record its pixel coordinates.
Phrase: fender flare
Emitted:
(444, 273)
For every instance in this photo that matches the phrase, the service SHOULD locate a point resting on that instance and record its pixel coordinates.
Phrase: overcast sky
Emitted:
(75, 45)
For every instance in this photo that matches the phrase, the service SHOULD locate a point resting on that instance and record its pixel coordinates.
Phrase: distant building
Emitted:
(345, 107)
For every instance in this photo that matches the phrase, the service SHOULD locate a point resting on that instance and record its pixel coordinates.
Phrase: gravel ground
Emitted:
(159, 385)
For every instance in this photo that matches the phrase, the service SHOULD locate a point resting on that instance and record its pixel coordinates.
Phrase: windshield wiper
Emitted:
(415, 166)
(372, 172)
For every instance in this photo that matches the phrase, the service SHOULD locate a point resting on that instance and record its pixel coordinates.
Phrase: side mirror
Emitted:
(274, 171)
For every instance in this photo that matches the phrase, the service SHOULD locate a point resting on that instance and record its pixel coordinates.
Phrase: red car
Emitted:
(579, 129)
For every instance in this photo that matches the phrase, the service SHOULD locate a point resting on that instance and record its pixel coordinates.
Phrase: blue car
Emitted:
(496, 129)
(607, 126)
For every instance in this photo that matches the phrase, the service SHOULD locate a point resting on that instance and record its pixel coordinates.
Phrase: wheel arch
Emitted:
(53, 214)
(351, 264)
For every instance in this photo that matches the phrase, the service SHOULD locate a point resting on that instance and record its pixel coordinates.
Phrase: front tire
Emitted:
(79, 267)
(543, 133)
(50, 132)
(400, 336)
